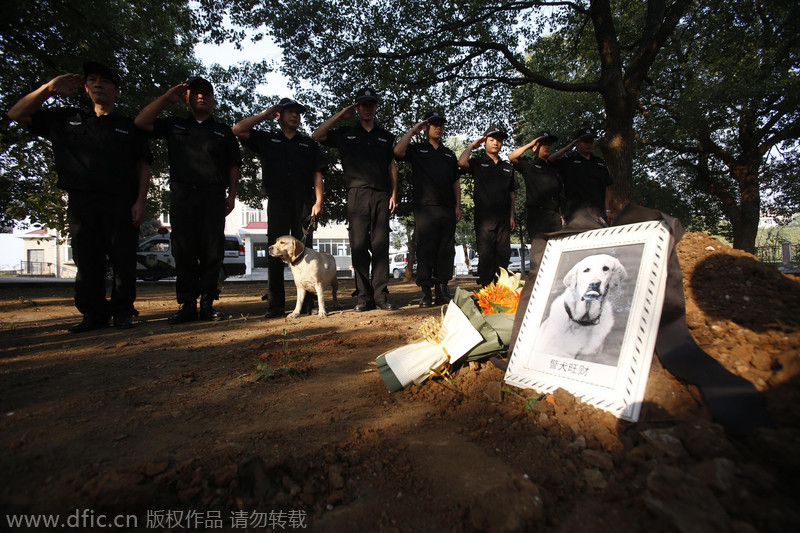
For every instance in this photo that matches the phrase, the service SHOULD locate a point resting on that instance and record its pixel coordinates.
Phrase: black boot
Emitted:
(89, 323)
(442, 294)
(427, 298)
(187, 313)
(276, 312)
(207, 311)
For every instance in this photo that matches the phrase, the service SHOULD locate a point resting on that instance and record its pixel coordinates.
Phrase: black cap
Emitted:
(434, 116)
(495, 131)
(584, 134)
(366, 94)
(547, 137)
(286, 103)
(201, 84)
(90, 67)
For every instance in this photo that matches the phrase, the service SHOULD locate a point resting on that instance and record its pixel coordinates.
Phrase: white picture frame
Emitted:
(590, 325)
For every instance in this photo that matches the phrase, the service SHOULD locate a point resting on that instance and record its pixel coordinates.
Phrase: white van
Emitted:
(515, 262)
(397, 264)
(154, 258)
(399, 260)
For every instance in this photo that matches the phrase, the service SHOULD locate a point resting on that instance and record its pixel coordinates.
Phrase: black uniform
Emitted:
(494, 183)
(96, 160)
(288, 167)
(200, 158)
(543, 192)
(366, 156)
(585, 182)
(433, 173)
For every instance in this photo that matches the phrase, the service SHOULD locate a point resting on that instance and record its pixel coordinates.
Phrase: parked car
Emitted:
(473, 265)
(515, 262)
(154, 258)
(397, 264)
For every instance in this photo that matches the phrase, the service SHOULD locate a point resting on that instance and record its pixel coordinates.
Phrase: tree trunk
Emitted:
(745, 226)
(618, 144)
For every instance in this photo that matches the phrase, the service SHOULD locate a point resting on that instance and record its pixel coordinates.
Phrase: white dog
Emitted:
(311, 271)
(582, 316)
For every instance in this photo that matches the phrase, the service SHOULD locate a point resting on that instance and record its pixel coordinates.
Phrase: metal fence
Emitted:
(36, 268)
(786, 254)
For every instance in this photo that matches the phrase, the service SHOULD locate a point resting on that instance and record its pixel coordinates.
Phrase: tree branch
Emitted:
(508, 7)
(661, 23)
(527, 75)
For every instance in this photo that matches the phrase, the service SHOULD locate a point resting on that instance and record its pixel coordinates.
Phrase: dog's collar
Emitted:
(582, 322)
(299, 258)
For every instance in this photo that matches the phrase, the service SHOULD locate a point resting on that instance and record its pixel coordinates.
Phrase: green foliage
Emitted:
(149, 228)
(290, 366)
(27, 302)
(722, 120)
(465, 233)
(464, 57)
(775, 235)
(528, 403)
(150, 42)
(721, 109)
(273, 366)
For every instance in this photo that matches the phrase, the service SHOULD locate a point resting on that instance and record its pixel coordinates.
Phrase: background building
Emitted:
(47, 253)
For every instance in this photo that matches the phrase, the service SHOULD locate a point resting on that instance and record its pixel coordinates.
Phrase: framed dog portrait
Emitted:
(591, 322)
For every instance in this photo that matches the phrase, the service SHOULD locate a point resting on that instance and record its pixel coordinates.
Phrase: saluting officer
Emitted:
(437, 205)
(103, 162)
(204, 162)
(543, 189)
(367, 155)
(495, 184)
(291, 170)
(585, 176)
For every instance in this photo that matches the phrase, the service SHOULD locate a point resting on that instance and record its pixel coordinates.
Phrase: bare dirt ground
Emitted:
(276, 425)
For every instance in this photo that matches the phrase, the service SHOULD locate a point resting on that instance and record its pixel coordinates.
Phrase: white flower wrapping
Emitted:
(414, 362)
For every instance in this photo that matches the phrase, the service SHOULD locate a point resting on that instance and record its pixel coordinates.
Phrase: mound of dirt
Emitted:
(260, 425)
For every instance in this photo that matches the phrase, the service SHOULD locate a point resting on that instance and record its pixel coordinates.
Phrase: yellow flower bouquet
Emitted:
(501, 296)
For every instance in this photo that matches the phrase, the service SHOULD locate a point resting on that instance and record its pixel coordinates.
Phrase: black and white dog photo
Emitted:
(582, 316)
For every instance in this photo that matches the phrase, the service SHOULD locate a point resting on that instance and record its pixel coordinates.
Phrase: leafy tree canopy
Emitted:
(150, 42)
(465, 56)
(722, 119)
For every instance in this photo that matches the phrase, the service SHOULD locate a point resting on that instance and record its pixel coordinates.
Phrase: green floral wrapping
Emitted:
(495, 328)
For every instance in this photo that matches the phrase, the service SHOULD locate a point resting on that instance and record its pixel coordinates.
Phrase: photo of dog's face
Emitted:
(587, 293)
(588, 284)
(590, 324)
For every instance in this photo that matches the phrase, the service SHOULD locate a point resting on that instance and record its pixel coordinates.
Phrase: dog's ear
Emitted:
(571, 279)
(297, 249)
(619, 273)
